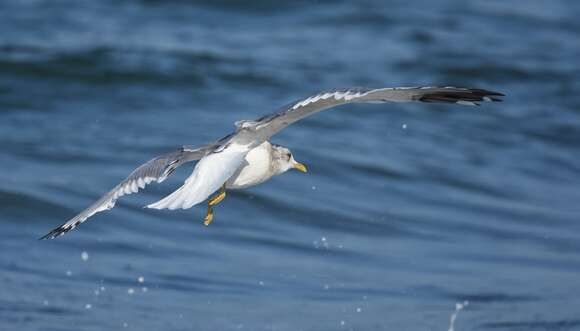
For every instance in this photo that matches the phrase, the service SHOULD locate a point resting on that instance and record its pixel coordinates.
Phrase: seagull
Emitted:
(246, 157)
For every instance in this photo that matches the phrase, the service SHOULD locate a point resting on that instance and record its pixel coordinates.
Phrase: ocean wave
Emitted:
(110, 65)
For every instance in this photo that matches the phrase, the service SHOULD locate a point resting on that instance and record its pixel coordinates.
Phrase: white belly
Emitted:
(256, 169)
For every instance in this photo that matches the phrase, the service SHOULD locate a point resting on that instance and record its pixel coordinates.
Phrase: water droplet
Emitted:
(342, 323)
(144, 289)
(130, 291)
(261, 283)
(102, 289)
(69, 273)
(125, 324)
(404, 126)
(358, 309)
(88, 306)
(45, 302)
(84, 256)
(141, 279)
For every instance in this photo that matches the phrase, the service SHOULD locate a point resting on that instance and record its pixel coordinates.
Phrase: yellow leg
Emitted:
(212, 202)
(218, 197)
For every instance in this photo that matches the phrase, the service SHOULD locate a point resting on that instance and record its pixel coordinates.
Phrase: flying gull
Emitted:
(246, 158)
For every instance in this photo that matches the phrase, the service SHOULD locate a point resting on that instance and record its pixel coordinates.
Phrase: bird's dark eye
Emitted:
(288, 156)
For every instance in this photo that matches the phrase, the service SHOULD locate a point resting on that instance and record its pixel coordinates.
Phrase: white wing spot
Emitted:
(344, 95)
(134, 186)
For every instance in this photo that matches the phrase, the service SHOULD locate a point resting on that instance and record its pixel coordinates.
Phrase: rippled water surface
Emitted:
(406, 211)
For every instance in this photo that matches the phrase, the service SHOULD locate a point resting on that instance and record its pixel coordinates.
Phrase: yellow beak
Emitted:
(299, 166)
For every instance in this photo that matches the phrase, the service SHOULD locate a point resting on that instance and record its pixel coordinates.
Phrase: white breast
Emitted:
(256, 169)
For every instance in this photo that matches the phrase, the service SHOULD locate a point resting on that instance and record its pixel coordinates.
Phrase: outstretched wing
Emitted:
(268, 126)
(157, 169)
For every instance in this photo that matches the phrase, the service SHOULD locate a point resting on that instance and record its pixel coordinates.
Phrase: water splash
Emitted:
(322, 243)
(458, 307)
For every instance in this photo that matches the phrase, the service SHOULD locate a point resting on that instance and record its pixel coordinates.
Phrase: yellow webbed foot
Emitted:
(208, 217)
(212, 202)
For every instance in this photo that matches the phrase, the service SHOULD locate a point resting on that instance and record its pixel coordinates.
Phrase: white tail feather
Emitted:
(173, 201)
(209, 174)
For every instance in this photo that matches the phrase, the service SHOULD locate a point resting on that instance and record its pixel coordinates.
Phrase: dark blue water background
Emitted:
(406, 210)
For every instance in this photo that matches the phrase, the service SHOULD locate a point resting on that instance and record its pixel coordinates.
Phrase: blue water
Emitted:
(406, 210)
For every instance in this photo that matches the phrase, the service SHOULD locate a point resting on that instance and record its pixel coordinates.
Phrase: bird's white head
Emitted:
(283, 160)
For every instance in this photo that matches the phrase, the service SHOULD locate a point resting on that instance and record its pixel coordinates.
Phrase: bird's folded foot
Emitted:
(208, 217)
(212, 202)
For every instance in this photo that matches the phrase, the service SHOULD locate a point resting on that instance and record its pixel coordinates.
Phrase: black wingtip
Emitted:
(46, 237)
(57, 232)
(51, 235)
(468, 96)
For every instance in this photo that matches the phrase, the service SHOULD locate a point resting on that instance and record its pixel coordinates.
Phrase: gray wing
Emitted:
(268, 126)
(157, 169)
